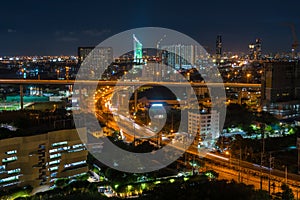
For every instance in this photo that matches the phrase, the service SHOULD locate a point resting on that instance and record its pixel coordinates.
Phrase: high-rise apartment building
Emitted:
(180, 56)
(98, 60)
(280, 81)
(280, 88)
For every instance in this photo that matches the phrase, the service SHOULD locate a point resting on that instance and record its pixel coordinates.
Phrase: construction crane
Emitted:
(157, 45)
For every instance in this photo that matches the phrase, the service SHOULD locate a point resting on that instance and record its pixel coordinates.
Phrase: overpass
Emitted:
(124, 83)
(93, 83)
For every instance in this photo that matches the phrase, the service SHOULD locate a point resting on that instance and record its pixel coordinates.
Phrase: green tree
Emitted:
(287, 192)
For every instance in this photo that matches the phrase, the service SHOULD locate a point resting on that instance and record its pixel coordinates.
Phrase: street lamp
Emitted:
(188, 76)
(57, 71)
(248, 76)
(228, 154)
(133, 121)
(157, 74)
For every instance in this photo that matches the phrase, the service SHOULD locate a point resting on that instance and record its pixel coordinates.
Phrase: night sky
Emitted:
(53, 27)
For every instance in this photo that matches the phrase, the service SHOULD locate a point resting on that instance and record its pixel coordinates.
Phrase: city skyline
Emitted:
(58, 28)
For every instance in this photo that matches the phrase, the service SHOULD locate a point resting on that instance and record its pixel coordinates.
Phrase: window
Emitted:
(54, 162)
(53, 175)
(59, 143)
(55, 155)
(76, 150)
(75, 164)
(13, 171)
(63, 148)
(11, 178)
(10, 159)
(11, 152)
(52, 150)
(53, 168)
(2, 169)
(77, 145)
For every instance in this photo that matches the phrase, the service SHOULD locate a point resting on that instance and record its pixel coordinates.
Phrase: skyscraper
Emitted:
(258, 49)
(98, 60)
(138, 50)
(179, 56)
(281, 88)
(83, 52)
(218, 48)
(279, 81)
(255, 50)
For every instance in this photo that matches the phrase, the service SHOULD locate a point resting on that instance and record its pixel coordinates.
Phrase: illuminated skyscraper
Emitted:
(255, 50)
(258, 49)
(138, 50)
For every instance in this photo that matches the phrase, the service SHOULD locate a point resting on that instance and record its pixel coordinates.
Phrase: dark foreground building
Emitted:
(40, 159)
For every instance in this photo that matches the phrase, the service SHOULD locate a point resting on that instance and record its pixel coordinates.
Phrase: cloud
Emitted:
(67, 39)
(11, 30)
(97, 33)
(59, 33)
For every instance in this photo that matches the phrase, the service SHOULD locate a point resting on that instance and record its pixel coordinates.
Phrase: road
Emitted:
(228, 168)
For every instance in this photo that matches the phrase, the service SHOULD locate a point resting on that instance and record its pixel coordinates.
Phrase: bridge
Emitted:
(93, 83)
(124, 83)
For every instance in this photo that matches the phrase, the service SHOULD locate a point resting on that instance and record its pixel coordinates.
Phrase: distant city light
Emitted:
(157, 105)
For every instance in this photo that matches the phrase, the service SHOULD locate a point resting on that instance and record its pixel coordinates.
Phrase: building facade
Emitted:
(205, 126)
(218, 48)
(179, 56)
(138, 50)
(280, 88)
(280, 81)
(99, 58)
(41, 159)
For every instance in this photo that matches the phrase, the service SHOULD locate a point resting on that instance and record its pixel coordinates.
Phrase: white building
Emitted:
(205, 126)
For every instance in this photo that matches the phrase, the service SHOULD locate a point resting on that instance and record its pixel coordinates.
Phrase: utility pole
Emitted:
(262, 153)
(21, 97)
(271, 160)
(286, 175)
(240, 178)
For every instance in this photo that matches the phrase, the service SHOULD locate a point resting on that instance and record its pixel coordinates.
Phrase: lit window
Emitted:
(10, 159)
(14, 171)
(55, 155)
(54, 162)
(11, 152)
(76, 150)
(2, 169)
(77, 146)
(75, 164)
(52, 150)
(59, 143)
(53, 168)
(11, 178)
